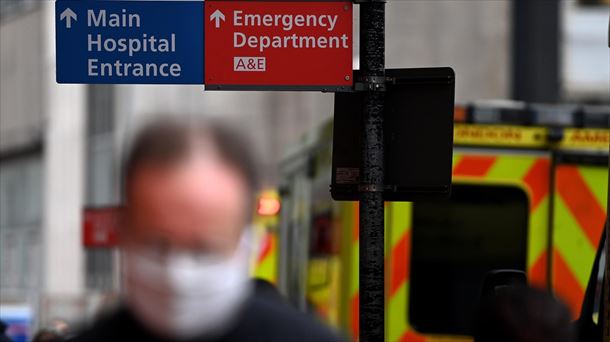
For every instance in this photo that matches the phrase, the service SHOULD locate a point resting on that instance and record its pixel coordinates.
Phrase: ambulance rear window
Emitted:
(455, 243)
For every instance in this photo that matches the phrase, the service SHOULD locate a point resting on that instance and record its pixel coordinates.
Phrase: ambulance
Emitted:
(529, 193)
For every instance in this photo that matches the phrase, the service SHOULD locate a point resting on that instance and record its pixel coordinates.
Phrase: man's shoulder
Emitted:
(117, 325)
(279, 320)
(264, 319)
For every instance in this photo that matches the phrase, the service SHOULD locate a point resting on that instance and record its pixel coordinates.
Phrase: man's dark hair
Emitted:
(47, 335)
(169, 141)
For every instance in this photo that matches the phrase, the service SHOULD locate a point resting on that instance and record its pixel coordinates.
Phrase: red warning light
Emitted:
(268, 206)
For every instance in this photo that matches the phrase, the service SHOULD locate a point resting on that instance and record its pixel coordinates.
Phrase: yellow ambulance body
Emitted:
(529, 192)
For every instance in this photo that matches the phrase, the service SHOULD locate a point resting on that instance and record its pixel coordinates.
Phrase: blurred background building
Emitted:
(60, 144)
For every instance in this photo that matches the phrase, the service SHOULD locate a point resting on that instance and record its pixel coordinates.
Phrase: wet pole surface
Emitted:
(372, 66)
(606, 282)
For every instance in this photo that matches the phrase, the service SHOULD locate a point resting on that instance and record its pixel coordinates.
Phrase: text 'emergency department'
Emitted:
(287, 23)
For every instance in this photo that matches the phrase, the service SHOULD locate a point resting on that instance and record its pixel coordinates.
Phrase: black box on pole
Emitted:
(418, 124)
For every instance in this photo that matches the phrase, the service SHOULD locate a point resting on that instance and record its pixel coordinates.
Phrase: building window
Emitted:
(594, 2)
(20, 226)
(13, 8)
(100, 263)
(101, 109)
(102, 189)
(455, 243)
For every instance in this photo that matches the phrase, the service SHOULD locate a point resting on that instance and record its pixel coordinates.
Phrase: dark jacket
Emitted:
(3, 337)
(262, 319)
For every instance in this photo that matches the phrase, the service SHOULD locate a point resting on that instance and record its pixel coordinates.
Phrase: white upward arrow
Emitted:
(218, 16)
(68, 14)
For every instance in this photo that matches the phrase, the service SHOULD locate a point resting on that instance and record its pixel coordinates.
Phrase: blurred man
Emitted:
(189, 190)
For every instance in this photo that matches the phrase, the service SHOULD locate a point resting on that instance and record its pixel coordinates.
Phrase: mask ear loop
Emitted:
(246, 247)
(249, 248)
(246, 241)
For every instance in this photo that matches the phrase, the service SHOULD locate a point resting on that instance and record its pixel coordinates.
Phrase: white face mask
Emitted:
(183, 295)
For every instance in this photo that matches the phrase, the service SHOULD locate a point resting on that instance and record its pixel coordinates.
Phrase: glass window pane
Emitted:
(20, 226)
(455, 243)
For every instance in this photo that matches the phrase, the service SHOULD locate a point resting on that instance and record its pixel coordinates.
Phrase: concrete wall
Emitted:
(585, 54)
(21, 133)
(271, 120)
(21, 74)
(471, 36)
(34, 109)
(63, 183)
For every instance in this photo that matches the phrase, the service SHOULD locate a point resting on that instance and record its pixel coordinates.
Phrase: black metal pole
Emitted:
(372, 66)
(606, 313)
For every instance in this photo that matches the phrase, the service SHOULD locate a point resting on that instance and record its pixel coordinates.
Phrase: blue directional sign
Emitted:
(129, 42)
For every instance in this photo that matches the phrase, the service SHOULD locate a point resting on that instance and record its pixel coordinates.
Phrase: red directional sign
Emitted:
(270, 45)
(100, 227)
